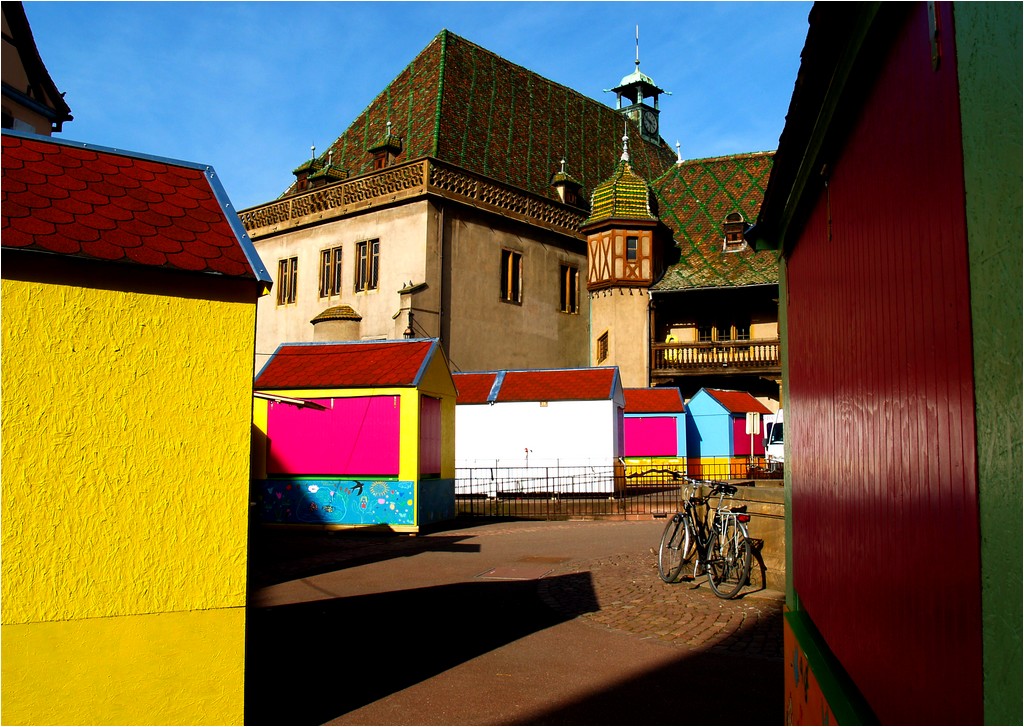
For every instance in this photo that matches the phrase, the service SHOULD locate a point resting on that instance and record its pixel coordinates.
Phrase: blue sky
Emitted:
(248, 87)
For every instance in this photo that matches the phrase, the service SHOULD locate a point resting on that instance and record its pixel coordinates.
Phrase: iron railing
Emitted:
(619, 489)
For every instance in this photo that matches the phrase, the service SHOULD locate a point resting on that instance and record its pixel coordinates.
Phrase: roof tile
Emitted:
(467, 106)
(474, 388)
(67, 198)
(355, 364)
(653, 401)
(694, 198)
(738, 402)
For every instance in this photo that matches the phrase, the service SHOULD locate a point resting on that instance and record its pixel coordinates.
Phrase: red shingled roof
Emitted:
(473, 388)
(345, 365)
(643, 401)
(590, 384)
(85, 201)
(558, 385)
(738, 402)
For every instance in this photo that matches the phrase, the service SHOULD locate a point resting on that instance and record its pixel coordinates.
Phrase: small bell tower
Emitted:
(632, 96)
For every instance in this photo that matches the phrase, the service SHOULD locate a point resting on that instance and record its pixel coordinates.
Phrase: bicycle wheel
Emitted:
(674, 551)
(728, 560)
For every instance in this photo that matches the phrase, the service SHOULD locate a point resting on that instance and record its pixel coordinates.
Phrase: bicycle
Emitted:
(720, 542)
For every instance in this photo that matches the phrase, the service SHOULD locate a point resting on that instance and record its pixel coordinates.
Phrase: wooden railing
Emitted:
(759, 356)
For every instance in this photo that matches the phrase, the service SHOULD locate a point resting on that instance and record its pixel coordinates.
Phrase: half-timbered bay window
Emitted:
(330, 272)
(511, 276)
(367, 264)
(287, 279)
(569, 283)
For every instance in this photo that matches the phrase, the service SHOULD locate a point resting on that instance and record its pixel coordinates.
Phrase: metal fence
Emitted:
(620, 489)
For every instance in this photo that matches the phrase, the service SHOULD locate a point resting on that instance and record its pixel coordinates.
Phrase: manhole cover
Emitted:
(516, 572)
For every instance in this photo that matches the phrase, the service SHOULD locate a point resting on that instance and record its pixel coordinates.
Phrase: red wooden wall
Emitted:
(880, 409)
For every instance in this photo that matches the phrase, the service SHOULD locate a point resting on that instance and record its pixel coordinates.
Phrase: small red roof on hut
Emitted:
(346, 364)
(653, 401)
(738, 402)
(90, 202)
(589, 384)
(474, 388)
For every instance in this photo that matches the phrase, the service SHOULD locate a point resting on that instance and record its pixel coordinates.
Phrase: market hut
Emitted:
(355, 434)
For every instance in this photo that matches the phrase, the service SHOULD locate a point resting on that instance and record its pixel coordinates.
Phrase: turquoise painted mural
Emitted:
(337, 502)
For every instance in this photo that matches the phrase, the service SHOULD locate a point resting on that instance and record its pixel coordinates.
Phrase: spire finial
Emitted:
(625, 144)
(312, 151)
(389, 127)
(637, 61)
(679, 153)
(563, 165)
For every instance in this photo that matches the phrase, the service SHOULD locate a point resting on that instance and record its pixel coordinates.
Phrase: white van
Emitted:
(773, 441)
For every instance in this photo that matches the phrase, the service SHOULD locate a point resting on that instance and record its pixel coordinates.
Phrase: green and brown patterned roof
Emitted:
(623, 196)
(694, 197)
(465, 105)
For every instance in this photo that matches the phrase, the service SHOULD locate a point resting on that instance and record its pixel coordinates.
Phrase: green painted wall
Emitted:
(988, 42)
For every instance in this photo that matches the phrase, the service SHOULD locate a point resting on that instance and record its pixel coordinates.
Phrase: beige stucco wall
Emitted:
(624, 315)
(488, 333)
(407, 243)
(456, 251)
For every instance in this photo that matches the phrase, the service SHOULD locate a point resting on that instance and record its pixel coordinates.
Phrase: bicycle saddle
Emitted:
(727, 489)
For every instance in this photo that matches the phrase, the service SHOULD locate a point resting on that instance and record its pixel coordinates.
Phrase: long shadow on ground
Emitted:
(311, 662)
(277, 556)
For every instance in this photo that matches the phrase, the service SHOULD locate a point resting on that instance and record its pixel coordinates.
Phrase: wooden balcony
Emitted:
(716, 357)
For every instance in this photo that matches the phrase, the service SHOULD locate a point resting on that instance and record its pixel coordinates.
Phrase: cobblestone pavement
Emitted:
(631, 597)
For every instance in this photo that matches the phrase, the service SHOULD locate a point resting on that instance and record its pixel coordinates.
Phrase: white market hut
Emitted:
(539, 431)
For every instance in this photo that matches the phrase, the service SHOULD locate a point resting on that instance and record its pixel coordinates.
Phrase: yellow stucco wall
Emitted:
(125, 445)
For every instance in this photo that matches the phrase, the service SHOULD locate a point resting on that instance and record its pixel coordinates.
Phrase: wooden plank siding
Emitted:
(885, 510)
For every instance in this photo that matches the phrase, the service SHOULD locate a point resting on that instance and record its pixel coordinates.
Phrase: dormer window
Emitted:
(386, 149)
(733, 228)
(568, 188)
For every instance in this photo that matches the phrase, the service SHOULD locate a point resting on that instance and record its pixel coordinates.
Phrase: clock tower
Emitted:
(632, 96)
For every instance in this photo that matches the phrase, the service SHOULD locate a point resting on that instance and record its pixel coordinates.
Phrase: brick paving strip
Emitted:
(632, 598)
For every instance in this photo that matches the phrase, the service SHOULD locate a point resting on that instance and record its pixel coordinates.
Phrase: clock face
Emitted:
(650, 122)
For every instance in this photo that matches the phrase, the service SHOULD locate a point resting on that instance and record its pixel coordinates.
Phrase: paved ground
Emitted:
(503, 623)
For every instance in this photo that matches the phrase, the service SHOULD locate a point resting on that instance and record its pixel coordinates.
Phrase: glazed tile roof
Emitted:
(623, 196)
(693, 199)
(653, 401)
(85, 201)
(738, 402)
(474, 388)
(588, 384)
(348, 364)
(465, 105)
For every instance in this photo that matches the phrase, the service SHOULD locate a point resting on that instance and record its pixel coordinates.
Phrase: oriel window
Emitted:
(367, 264)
